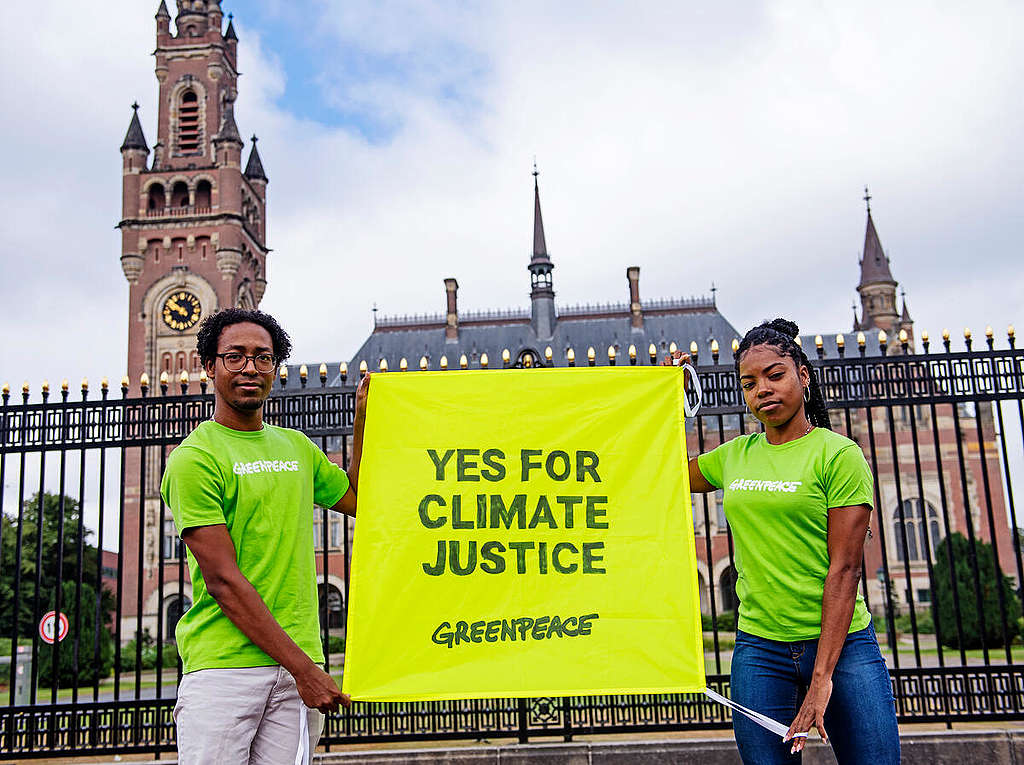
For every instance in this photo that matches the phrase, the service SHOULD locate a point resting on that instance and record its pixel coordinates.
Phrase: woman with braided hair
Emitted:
(798, 499)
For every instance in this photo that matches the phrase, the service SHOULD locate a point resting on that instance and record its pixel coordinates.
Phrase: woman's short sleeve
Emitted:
(711, 463)
(848, 479)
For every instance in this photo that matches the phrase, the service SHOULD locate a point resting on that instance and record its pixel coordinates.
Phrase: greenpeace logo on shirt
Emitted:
(265, 466)
(749, 484)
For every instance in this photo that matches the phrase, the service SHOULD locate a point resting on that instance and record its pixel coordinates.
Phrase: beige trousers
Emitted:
(250, 716)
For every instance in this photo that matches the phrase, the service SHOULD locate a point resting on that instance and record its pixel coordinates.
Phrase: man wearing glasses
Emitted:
(242, 495)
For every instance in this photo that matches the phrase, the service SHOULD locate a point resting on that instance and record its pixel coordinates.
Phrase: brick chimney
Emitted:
(451, 327)
(636, 316)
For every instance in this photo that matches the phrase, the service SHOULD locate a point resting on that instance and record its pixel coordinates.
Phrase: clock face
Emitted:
(181, 310)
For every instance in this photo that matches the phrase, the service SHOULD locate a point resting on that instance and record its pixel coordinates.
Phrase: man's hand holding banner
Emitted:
(524, 533)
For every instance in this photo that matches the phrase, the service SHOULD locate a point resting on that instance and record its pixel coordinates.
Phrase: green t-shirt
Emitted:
(776, 501)
(262, 485)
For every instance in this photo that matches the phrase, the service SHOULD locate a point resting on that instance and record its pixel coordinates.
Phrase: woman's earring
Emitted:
(807, 394)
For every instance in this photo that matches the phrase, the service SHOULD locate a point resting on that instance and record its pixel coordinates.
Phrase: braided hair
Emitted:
(781, 335)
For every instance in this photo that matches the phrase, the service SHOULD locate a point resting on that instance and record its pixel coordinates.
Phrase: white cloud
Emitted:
(700, 142)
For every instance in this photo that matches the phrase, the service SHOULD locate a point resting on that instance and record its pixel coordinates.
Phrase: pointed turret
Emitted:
(874, 265)
(228, 127)
(905, 314)
(877, 288)
(254, 168)
(134, 138)
(229, 34)
(542, 293)
(161, 12)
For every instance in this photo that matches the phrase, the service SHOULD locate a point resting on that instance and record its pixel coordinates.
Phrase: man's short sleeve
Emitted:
(848, 479)
(193, 488)
(330, 482)
(710, 464)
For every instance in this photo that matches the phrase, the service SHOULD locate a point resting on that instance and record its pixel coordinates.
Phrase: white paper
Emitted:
(765, 722)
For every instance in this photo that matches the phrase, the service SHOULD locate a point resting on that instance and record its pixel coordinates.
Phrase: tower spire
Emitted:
(254, 168)
(874, 265)
(134, 138)
(877, 288)
(542, 293)
(540, 247)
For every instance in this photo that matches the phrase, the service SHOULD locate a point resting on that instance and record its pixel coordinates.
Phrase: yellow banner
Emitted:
(524, 533)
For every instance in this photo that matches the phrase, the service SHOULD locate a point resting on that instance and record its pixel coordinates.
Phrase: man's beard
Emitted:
(249, 405)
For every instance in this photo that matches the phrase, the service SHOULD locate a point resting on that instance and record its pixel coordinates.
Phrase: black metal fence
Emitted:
(942, 432)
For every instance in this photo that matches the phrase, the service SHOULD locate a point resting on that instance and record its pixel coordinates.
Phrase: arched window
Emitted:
(188, 121)
(727, 589)
(527, 359)
(175, 606)
(331, 600)
(157, 198)
(915, 529)
(165, 363)
(181, 362)
(179, 195)
(204, 194)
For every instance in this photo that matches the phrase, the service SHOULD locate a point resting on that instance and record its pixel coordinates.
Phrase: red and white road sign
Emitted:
(53, 627)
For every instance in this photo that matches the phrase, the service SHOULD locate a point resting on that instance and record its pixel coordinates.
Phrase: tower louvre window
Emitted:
(188, 123)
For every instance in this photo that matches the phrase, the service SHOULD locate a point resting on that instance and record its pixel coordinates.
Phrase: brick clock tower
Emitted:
(193, 232)
(193, 222)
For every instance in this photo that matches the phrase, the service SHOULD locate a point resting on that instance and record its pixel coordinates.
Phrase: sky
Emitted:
(722, 144)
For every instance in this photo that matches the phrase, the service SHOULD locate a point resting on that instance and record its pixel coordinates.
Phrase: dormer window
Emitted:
(188, 123)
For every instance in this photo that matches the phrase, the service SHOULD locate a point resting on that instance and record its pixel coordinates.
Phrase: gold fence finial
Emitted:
(735, 345)
(403, 364)
(164, 377)
(444, 362)
(548, 354)
(483, 360)
(423, 363)
(64, 385)
(303, 371)
(144, 380)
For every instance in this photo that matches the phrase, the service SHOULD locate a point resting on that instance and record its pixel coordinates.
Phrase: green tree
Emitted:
(990, 578)
(87, 634)
(51, 548)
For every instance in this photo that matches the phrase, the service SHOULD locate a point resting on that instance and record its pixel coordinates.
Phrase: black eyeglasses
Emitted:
(236, 362)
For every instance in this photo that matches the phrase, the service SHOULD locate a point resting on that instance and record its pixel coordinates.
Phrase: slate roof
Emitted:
(874, 265)
(540, 247)
(254, 168)
(134, 138)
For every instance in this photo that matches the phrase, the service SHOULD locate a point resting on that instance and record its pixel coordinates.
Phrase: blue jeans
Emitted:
(771, 677)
